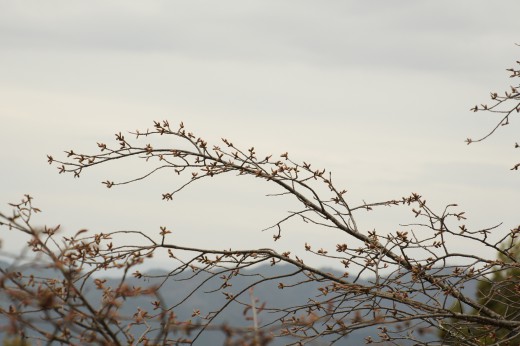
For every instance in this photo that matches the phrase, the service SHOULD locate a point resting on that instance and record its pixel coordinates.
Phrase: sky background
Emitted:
(378, 92)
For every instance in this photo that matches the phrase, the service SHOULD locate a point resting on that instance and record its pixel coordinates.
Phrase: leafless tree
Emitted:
(417, 278)
(504, 105)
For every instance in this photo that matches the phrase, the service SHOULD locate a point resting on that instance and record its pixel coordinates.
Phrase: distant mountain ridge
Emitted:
(209, 298)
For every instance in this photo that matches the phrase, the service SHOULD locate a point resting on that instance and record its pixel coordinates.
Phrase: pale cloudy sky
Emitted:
(376, 91)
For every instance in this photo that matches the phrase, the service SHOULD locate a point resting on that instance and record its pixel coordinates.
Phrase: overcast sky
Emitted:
(378, 92)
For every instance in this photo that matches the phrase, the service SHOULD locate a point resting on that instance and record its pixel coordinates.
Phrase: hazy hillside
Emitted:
(208, 298)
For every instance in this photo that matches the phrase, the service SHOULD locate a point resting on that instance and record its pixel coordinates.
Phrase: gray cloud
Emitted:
(403, 34)
(377, 91)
